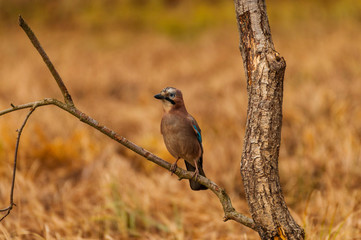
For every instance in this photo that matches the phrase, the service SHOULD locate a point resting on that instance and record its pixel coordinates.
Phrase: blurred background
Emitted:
(114, 56)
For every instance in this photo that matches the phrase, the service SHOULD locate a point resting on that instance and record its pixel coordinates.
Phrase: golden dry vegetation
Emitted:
(74, 183)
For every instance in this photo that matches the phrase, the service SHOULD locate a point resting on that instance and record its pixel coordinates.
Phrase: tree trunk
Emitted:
(264, 69)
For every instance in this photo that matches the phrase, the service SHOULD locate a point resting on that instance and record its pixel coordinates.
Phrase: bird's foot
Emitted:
(173, 167)
(195, 174)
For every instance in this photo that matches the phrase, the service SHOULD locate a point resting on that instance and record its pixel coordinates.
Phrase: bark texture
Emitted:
(264, 69)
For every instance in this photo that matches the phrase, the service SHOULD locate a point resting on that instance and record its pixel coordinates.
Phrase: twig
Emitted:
(43, 102)
(34, 40)
(12, 204)
(229, 211)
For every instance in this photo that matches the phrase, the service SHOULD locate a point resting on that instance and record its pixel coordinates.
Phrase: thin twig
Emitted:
(34, 40)
(12, 204)
(229, 211)
(43, 102)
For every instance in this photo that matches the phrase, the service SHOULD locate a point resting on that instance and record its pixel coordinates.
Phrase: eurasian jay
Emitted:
(181, 134)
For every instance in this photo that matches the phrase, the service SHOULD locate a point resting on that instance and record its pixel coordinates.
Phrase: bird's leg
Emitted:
(196, 172)
(174, 166)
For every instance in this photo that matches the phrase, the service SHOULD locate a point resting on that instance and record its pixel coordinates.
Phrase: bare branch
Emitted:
(229, 211)
(34, 40)
(12, 204)
(46, 101)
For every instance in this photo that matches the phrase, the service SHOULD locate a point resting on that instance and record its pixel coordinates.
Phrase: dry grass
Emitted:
(73, 183)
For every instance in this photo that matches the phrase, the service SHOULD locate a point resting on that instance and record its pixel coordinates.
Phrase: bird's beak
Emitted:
(159, 96)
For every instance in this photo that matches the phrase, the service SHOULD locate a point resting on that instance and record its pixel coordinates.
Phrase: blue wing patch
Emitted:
(199, 136)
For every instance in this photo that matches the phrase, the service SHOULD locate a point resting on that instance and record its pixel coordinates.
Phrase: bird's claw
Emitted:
(195, 175)
(173, 168)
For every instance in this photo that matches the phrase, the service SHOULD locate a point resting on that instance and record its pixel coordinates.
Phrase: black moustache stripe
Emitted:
(170, 100)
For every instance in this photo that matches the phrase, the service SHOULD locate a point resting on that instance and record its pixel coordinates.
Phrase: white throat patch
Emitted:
(167, 106)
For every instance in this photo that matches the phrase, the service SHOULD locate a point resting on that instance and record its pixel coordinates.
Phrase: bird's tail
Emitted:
(195, 185)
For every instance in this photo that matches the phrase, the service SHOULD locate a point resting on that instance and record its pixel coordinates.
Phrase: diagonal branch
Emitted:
(229, 212)
(34, 40)
(12, 204)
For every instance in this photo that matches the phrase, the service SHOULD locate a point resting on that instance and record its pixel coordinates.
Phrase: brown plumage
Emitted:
(181, 134)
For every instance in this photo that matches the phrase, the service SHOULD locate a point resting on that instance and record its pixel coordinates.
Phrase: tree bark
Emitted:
(264, 68)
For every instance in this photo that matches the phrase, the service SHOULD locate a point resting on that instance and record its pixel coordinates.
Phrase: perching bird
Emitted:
(181, 134)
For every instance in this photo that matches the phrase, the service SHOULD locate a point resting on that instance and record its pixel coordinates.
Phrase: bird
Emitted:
(181, 134)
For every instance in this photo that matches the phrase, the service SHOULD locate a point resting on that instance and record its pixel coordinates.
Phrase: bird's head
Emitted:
(172, 98)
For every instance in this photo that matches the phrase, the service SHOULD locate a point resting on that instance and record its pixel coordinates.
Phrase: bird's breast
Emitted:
(180, 138)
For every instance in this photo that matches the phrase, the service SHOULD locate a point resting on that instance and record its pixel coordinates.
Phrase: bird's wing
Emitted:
(196, 128)
(197, 131)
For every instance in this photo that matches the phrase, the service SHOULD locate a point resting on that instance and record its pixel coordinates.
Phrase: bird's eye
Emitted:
(172, 95)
